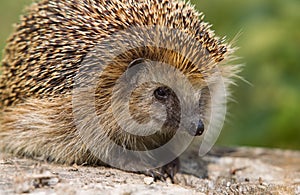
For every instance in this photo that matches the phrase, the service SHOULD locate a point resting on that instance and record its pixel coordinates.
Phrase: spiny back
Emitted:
(47, 47)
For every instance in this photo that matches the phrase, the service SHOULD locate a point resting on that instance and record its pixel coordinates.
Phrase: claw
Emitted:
(171, 169)
(167, 171)
(156, 174)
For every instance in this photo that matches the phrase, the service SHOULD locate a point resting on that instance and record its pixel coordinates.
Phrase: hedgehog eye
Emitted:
(161, 93)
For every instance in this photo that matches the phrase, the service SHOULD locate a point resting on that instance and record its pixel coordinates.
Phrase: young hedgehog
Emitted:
(52, 54)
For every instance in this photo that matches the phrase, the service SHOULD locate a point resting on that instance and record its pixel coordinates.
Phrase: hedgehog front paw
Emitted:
(167, 171)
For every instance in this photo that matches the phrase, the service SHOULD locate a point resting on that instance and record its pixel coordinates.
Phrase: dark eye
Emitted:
(161, 93)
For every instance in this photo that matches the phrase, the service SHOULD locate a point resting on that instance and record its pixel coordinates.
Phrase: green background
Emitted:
(267, 112)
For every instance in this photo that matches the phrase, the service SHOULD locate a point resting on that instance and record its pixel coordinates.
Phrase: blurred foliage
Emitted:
(9, 14)
(267, 113)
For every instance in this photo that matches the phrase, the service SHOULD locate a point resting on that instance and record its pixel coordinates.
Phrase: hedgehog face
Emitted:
(155, 99)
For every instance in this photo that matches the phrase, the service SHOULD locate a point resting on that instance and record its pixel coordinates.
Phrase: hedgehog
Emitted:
(95, 82)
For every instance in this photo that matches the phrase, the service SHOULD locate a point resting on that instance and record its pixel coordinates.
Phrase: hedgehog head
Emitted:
(146, 84)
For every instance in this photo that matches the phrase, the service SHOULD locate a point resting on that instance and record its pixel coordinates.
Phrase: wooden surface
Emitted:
(222, 171)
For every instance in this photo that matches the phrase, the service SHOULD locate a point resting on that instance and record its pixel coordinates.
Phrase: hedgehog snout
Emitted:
(196, 129)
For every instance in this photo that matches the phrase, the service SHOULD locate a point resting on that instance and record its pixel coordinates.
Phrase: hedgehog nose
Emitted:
(200, 128)
(197, 129)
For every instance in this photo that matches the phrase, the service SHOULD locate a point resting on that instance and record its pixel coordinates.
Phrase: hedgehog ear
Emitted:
(134, 67)
(136, 62)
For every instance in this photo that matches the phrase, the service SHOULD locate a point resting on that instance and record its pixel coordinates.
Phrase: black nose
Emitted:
(200, 128)
(197, 129)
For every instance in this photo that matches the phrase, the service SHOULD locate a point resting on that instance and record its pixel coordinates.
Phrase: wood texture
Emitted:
(222, 171)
